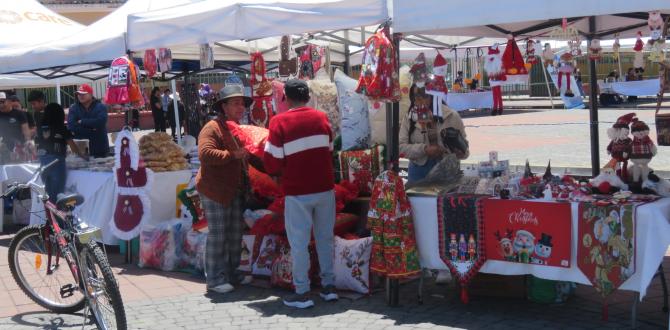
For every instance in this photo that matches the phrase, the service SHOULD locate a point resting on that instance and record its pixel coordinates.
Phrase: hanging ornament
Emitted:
(150, 62)
(530, 52)
(512, 59)
(164, 59)
(288, 66)
(595, 50)
(206, 57)
(262, 109)
(123, 82)
(655, 23)
(638, 61)
(548, 54)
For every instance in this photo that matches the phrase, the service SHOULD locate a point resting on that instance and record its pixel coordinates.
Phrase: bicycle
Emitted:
(35, 260)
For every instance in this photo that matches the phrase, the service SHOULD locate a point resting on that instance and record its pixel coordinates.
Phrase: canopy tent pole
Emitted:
(593, 105)
(546, 81)
(347, 55)
(177, 128)
(58, 91)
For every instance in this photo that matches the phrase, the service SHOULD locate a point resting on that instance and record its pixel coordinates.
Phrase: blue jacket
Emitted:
(93, 126)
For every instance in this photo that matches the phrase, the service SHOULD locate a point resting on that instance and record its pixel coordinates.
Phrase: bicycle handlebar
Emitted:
(15, 186)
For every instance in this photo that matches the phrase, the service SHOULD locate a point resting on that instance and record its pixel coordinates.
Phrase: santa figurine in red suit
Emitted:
(565, 68)
(512, 59)
(620, 146)
(436, 84)
(638, 60)
(496, 73)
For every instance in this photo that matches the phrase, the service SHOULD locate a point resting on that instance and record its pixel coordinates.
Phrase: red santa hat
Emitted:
(439, 63)
(639, 44)
(625, 120)
(512, 59)
(638, 126)
(493, 49)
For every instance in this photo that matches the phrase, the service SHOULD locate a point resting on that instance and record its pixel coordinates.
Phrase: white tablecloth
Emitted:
(472, 100)
(635, 88)
(20, 173)
(652, 239)
(99, 198)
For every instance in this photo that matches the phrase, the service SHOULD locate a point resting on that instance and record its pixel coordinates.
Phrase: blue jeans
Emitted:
(300, 213)
(55, 176)
(417, 172)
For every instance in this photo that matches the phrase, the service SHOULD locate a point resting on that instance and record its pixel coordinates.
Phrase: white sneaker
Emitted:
(247, 280)
(443, 277)
(222, 288)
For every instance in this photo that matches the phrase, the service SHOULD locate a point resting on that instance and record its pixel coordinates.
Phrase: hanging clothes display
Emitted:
(123, 82)
(379, 78)
(132, 206)
(150, 62)
(394, 253)
(206, 57)
(262, 108)
(288, 64)
(164, 59)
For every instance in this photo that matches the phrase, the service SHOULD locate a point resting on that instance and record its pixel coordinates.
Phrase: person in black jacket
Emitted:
(157, 110)
(87, 119)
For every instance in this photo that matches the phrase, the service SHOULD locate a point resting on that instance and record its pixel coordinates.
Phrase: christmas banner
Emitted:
(528, 232)
(460, 230)
(606, 250)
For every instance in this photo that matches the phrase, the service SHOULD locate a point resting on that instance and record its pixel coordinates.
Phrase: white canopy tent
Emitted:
(99, 42)
(215, 21)
(26, 22)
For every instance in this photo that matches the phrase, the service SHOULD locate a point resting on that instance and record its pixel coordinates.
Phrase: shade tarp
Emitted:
(486, 18)
(213, 21)
(101, 41)
(27, 22)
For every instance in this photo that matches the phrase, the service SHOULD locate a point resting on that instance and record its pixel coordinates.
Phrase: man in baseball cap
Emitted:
(87, 119)
(13, 128)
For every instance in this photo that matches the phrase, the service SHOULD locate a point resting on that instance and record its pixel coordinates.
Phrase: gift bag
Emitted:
(663, 128)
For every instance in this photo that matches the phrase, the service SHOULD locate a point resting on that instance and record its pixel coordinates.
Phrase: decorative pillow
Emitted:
(355, 128)
(266, 253)
(323, 97)
(193, 250)
(345, 223)
(282, 265)
(191, 199)
(377, 114)
(160, 245)
(362, 167)
(247, 256)
(352, 264)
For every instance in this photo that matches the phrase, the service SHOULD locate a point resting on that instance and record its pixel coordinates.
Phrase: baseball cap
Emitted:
(13, 98)
(85, 89)
(3, 96)
(296, 89)
(36, 96)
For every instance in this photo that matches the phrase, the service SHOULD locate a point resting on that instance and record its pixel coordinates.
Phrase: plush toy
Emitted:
(548, 54)
(655, 23)
(607, 181)
(575, 45)
(496, 73)
(620, 145)
(512, 59)
(566, 68)
(638, 61)
(642, 150)
(595, 50)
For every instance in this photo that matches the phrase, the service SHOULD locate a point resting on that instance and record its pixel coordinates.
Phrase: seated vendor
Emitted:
(419, 140)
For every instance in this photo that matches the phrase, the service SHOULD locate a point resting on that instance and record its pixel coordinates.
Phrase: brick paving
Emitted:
(170, 300)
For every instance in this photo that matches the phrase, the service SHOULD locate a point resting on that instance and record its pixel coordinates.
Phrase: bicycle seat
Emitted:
(69, 200)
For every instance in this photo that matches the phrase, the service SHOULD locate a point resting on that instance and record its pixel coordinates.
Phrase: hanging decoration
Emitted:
(261, 109)
(206, 57)
(638, 60)
(496, 73)
(123, 82)
(565, 69)
(461, 236)
(606, 247)
(530, 52)
(655, 23)
(288, 66)
(311, 60)
(436, 84)
(150, 62)
(394, 253)
(548, 54)
(133, 206)
(164, 59)
(512, 59)
(595, 50)
(379, 77)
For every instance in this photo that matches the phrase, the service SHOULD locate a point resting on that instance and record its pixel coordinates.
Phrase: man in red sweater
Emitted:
(299, 149)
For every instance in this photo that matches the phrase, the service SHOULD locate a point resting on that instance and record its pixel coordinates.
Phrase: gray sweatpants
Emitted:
(300, 213)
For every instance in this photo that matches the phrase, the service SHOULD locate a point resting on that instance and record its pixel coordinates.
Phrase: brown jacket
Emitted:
(220, 174)
(414, 150)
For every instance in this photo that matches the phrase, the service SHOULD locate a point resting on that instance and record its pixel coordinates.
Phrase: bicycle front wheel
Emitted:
(43, 273)
(101, 289)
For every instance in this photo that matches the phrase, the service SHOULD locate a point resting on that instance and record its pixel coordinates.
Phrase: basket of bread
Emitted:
(161, 154)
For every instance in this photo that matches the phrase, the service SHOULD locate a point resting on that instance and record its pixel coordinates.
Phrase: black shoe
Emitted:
(328, 293)
(494, 112)
(298, 301)
(569, 93)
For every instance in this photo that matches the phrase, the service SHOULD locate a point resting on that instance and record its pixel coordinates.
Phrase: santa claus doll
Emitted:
(512, 59)
(496, 73)
(595, 50)
(638, 61)
(548, 54)
(565, 68)
(530, 52)
(436, 84)
(620, 146)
